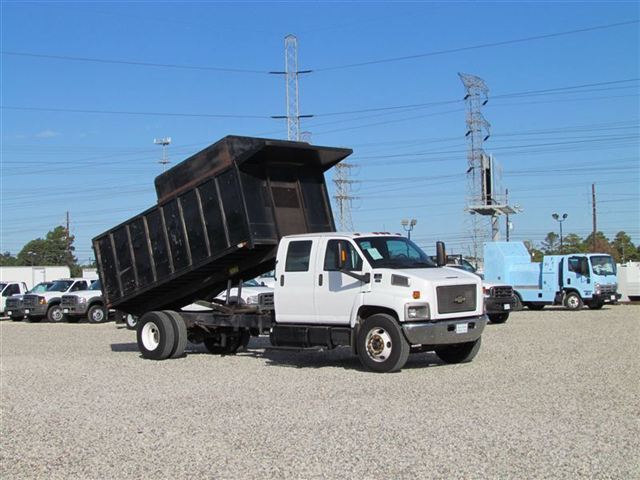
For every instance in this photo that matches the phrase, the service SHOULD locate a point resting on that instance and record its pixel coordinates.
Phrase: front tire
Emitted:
(96, 314)
(55, 314)
(498, 317)
(573, 301)
(459, 353)
(381, 344)
(595, 305)
(155, 336)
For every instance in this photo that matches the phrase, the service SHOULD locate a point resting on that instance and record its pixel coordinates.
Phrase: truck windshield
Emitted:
(2, 285)
(41, 287)
(393, 252)
(59, 286)
(603, 265)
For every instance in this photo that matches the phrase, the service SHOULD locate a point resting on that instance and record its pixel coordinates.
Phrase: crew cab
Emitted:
(7, 289)
(85, 303)
(48, 303)
(14, 305)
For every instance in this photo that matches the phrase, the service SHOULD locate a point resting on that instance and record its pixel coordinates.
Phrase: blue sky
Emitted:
(564, 109)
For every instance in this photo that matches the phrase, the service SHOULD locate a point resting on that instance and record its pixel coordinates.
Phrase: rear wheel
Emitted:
(96, 314)
(155, 335)
(518, 302)
(572, 301)
(55, 314)
(498, 317)
(381, 344)
(460, 353)
(180, 333)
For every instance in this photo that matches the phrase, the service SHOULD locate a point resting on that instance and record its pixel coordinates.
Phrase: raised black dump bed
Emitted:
(220, 215)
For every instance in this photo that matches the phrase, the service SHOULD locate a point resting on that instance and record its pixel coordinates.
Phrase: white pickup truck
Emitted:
(14, 307)
(377, 293)
(7, 289)
(85, 303)
(47, 304)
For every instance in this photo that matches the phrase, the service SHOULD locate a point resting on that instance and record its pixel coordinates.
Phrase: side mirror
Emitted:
(441, 255)
(342, 256)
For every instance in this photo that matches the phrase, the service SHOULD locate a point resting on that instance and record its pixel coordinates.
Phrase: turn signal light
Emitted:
(416, 294)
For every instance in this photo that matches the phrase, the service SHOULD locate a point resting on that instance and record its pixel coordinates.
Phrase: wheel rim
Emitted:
(97, 315)
(131, 320)
(150, 336)
(56, 314)
(572, 301)
(378, 344)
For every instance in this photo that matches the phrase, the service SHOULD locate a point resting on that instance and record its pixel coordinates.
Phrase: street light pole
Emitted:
(560, 219)
(408, 225)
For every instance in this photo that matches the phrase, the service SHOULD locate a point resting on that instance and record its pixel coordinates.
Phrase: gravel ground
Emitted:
(552, 394)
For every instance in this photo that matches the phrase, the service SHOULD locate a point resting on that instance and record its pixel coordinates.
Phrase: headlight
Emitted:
(597, 285)
(252, 300)
(82, 300)
(42, 300)
(417, 312)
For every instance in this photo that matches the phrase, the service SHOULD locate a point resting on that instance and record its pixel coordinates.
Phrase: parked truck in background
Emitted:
(245, 206)
(14, 304)
(85, 303)
(572, 280)
(7, 289)
(48, 303)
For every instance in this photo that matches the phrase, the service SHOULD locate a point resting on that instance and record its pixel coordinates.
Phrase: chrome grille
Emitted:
(606, 289)
(456, 298)
(502, 291)
(30, 300)
(69, 300)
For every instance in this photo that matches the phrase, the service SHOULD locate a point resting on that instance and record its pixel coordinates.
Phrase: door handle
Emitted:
(568, 281)
(282, 280)
(320, 279)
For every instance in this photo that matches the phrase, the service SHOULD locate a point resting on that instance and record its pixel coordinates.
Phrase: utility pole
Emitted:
(67, 240)
(595, 228)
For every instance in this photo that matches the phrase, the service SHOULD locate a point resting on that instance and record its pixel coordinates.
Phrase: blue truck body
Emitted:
(571, 280)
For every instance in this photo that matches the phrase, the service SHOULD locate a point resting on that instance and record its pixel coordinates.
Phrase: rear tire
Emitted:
(180, 333)
(381, 344)
(572, 301)
(518, 302)
(155, 336)
(55, 314)
(96, 314)
(498, 317)
(460, 353)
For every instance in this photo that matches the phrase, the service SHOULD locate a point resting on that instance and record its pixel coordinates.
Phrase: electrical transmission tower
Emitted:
(343, 196)
(291, 73)
(164, 142)
(482, 197)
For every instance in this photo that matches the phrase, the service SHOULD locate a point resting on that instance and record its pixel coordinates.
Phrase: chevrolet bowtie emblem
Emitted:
(459, 299)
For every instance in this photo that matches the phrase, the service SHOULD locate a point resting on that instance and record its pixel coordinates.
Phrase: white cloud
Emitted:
(48, 133)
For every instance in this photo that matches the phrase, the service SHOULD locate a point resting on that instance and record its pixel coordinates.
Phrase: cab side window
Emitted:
(353, 263)
(11, 290)
(79, 286)
(298, 254)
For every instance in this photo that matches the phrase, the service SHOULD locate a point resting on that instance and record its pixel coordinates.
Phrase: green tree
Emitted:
(54, 249)
(7, 260)
(602, 244)
(573, 243)
(551, 244)
(623, 248)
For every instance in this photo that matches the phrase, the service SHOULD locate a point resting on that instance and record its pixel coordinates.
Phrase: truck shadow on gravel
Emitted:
(261, 349)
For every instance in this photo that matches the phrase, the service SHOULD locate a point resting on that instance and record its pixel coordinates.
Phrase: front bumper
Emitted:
(37, 311)
(15, 312)
(75, 310)
(607, 297)
(445, 332)
(499, 305)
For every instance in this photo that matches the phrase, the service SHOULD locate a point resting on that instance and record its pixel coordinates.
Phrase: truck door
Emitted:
(577, 275)
(293, 297)
(336, 292)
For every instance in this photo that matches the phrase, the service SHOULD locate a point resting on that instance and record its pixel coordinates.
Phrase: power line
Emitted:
(476, 47)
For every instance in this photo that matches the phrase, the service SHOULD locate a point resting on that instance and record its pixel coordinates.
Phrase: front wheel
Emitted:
(55, 314)
(96, 314)
(498, 317)
(459, 353)
(381, 344)
(573, 301)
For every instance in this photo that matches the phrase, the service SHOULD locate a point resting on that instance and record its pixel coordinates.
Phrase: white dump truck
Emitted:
(245, 206)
